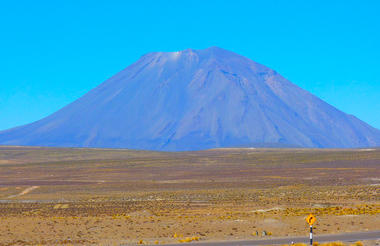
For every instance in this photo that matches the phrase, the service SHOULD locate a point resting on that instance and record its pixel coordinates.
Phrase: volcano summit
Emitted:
(196, 99)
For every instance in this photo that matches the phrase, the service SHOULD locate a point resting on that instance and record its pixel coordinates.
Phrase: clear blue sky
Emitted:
(52, 52)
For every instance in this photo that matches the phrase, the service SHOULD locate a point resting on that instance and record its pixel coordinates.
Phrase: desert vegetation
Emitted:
(52, 196)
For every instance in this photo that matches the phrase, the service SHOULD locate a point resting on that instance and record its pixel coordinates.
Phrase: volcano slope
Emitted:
(194, 100)
(114, 196)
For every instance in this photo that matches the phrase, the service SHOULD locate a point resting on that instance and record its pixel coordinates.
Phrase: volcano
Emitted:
(194, 100)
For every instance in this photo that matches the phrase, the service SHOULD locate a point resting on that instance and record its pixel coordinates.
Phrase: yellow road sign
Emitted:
(310, 219)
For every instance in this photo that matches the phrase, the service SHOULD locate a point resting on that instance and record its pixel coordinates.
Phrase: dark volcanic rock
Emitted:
(196, 99)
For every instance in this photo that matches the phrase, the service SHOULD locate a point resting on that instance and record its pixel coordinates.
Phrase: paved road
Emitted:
(346, 237)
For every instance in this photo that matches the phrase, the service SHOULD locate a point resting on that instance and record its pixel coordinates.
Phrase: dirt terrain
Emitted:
(62, 196)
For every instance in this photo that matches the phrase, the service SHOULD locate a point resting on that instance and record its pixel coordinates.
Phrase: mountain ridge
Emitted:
(196, 99)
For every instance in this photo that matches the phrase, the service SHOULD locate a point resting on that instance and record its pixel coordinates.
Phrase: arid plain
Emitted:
(62, 196)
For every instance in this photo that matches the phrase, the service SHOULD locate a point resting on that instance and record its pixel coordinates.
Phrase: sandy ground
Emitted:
(113, 197)
(24, 192)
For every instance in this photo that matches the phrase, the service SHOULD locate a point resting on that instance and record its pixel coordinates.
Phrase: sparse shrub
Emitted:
(333, 244)
(188, 239)
(358, 243)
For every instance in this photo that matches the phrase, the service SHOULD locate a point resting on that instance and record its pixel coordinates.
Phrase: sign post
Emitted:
(310, 220)
(311, 235)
